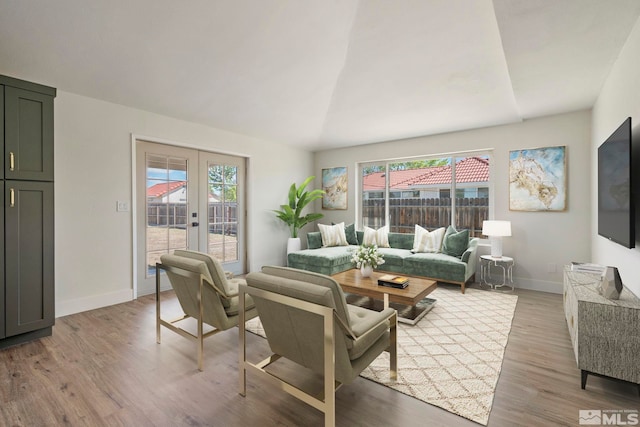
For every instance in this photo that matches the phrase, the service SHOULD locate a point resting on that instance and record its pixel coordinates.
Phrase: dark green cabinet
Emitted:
(29, 256)
(2, 304)
(27, 298)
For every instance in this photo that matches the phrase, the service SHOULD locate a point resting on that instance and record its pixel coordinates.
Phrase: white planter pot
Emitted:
(293, 245)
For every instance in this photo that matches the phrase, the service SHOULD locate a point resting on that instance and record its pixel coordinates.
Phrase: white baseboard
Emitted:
(148, 291)
(538, 285)
(64, 308)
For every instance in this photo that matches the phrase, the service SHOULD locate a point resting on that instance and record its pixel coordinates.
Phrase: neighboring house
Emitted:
(168, 192)
(472, 179)
(171, 192)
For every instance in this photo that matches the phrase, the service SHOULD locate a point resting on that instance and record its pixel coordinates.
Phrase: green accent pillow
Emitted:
(455, 242)
(350, 232)
(314, 240)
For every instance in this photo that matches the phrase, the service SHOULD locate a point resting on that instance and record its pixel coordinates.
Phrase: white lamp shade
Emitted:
(496, 228)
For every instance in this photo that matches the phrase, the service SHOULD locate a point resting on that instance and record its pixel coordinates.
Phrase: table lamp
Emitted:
(496, 230)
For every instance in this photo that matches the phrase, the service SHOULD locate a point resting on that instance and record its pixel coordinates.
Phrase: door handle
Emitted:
(12, 198)
(12, 161)
(194, 224)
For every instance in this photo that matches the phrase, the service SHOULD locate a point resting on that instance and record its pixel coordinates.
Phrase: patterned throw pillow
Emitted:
(425, 241)
(378, 237)
(350, 233)
(333, 235)
(455, 242)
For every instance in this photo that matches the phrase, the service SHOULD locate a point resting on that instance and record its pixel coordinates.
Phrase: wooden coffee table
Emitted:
(352, 282)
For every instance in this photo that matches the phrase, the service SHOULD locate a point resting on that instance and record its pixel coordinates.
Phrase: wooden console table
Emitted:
(604, 333)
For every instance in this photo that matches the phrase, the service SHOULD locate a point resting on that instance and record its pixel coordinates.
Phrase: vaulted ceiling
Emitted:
(321, 74)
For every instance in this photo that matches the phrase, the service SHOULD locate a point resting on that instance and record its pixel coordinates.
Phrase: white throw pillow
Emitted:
(378, 237)
(333, 235)
(425, 241)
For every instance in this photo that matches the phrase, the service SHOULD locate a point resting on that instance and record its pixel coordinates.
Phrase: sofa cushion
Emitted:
(428, 241)
(437, 266)
(333, 235)
(314, 240)
(324, 260)
(401, 240)
(455, 242)
(393, 256)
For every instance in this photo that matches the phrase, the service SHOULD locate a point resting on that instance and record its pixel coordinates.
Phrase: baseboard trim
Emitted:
(78, 305)
(538, 285)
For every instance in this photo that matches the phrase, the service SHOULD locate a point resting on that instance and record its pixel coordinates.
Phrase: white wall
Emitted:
(619, 99)
(539, 238)
(93, 170)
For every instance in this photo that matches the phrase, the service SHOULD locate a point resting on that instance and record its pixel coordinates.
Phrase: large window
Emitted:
(405, 193)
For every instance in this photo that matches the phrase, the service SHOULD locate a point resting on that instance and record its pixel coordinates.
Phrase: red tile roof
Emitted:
(376, 180)
(163, 188)
(470, 169)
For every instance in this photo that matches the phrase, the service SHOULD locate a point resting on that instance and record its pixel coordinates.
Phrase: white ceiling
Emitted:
(321, 74)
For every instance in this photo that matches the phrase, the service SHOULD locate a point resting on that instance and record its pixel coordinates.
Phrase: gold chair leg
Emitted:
(393, 344)
(329, 373)
(242, 356)
(200, 328)
(157, 304)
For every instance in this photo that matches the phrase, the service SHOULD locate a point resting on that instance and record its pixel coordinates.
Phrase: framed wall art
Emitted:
(334, 184)
(537, 179)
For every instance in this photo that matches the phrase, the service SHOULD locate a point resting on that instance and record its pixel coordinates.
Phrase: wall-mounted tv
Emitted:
(616, 213)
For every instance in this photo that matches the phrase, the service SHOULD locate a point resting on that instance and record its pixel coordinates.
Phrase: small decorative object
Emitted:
(496, 230)
(366, 270)
(611, 284)
(367, 257)
(537, 179)
(291, 214)
(334, 184)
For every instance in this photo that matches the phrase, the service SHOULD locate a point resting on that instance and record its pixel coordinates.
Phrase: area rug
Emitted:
(453, 356)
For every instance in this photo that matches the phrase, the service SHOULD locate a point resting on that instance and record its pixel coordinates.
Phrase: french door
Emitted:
(187, 199)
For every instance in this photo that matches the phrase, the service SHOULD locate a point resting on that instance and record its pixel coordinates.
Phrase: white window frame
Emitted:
(489, 152)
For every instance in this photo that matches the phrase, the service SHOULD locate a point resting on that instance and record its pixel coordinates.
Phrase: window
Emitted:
(419, 192)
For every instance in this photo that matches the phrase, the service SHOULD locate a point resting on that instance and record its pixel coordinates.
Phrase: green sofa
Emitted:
(398, 259)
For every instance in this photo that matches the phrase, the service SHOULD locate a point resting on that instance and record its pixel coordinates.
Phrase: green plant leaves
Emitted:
(291, 214)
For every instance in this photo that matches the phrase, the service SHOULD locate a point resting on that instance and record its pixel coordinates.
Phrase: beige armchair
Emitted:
(306, 319)
(204, 293)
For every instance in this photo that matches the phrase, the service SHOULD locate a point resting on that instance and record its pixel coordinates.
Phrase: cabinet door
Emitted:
(28, 141)
(29, 278)
(2, 130)
(2, 310)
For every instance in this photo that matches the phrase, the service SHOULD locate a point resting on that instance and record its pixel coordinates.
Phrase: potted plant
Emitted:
(291, 214)
(367, 257)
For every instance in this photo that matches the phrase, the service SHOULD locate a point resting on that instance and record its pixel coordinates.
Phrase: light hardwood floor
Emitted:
(103, 367)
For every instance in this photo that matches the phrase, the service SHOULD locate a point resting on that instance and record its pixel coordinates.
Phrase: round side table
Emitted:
(505, 263)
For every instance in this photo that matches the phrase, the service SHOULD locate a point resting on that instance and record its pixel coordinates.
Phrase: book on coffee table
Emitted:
(393, 281)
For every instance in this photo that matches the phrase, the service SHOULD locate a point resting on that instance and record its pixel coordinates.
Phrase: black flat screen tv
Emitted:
(616, 213)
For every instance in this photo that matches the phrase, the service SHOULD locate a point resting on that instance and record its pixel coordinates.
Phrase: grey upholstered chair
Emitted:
(307, 320)
(204, 293)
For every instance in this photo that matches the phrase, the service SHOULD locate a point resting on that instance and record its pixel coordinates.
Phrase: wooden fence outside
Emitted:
(428, 213)
(176, 215)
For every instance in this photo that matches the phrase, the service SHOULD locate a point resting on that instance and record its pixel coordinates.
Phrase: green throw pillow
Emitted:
(455, 242)
(314, 240)
(350, 232)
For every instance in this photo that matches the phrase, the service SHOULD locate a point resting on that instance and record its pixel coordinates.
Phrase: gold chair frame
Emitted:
(170, 324)
(325, 402)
